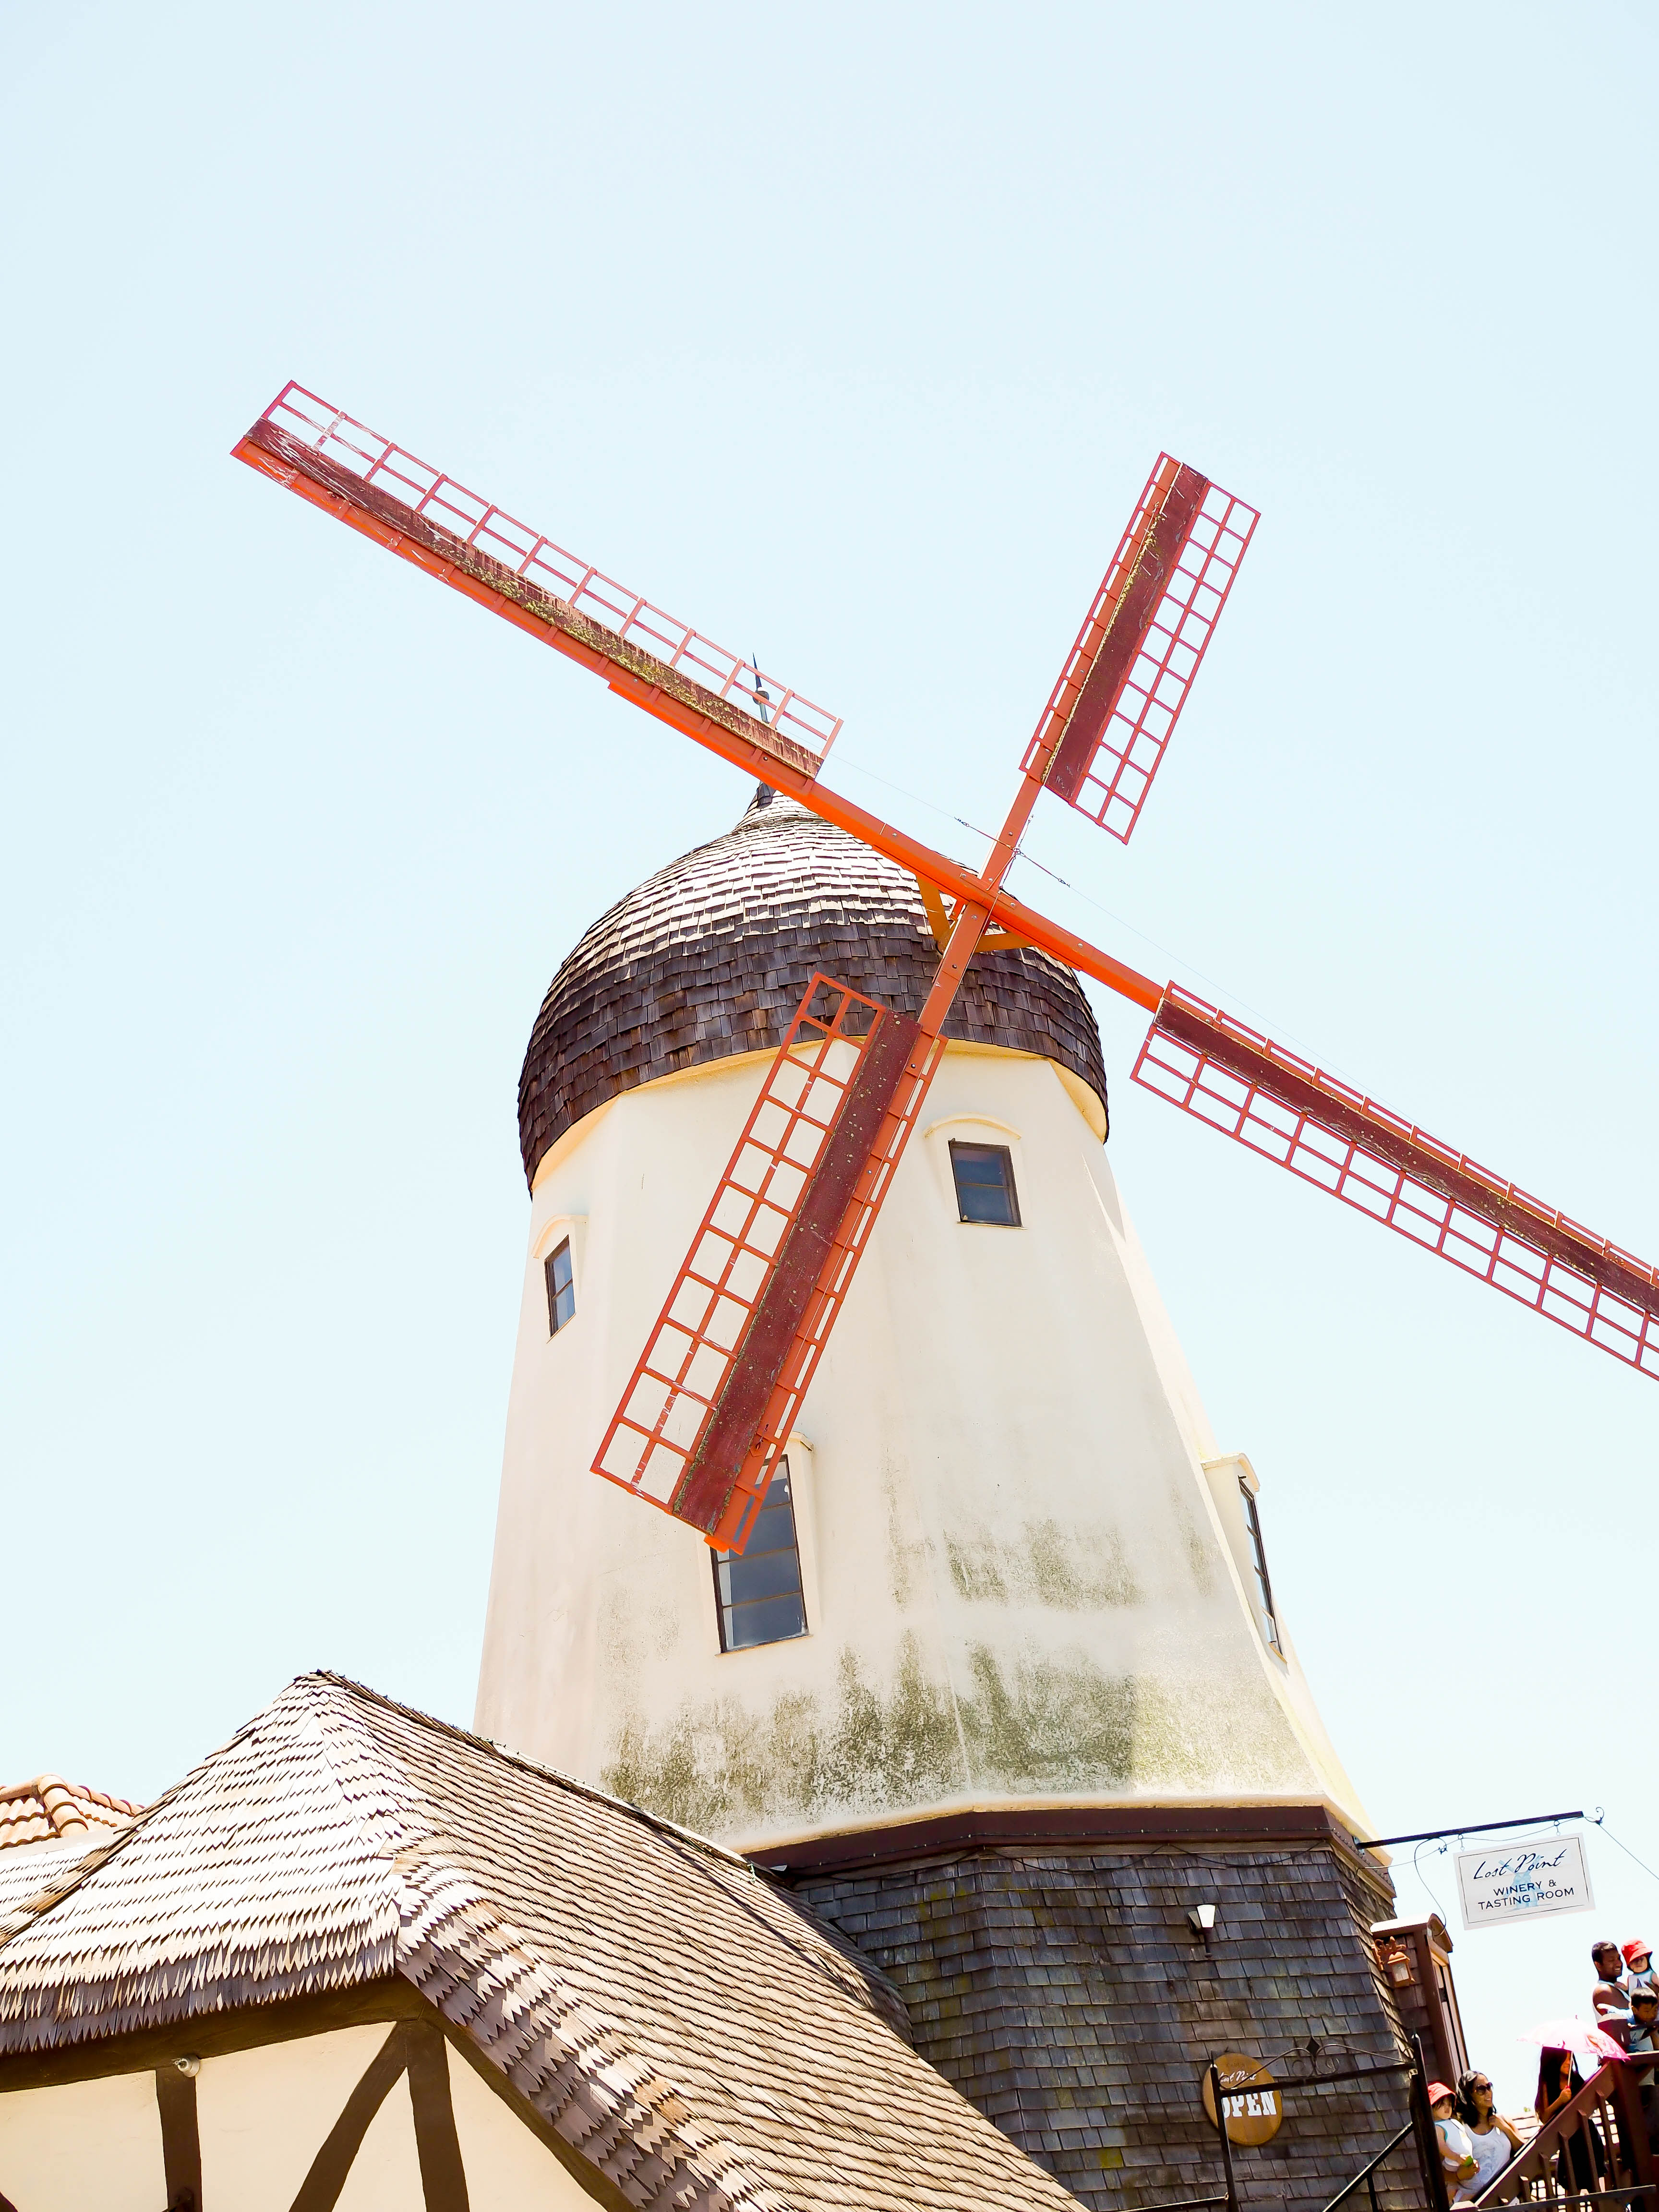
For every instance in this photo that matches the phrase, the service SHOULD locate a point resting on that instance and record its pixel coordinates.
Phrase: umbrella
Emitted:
(1575, 2035)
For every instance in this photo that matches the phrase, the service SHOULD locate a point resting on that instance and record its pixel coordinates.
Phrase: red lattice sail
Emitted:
(309, 445)
(711, 1403)
(1126, 680)
(1322, 1129)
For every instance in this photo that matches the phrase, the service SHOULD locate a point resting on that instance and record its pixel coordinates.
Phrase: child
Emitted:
(1457, 2160)
(1638, 1967)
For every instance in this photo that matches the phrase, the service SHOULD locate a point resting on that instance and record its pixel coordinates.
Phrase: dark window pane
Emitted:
(1260, 1550)
(561, 1289)
(985, 1184)
(769, 1622)
(759, 1593)
(772, 1574)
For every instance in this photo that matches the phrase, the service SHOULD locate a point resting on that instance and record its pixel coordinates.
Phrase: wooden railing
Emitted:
(1595, 2148)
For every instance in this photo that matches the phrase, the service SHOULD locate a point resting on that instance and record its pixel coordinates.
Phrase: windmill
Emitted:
(714, 1396)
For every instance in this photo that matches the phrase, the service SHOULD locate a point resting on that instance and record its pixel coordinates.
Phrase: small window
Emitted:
(1269, 1620)
(985, 1184)
(758, 1595)
(561, 1289)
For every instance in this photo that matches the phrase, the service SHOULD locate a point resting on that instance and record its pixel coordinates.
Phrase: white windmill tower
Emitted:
(1006, 1564)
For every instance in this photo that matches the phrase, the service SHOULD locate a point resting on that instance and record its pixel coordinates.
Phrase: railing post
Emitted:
(1628, 2107)
(1434, 2195)
(1220, 2104)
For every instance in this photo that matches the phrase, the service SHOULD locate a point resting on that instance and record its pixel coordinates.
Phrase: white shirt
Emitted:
(1492, 2153)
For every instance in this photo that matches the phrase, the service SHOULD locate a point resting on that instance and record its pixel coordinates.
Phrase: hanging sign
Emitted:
(1526, 1882)
(1253, 2118)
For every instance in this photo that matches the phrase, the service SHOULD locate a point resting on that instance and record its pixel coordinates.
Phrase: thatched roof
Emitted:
(688, 2029)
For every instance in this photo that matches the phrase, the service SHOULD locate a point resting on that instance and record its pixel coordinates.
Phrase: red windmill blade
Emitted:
(1126, 680)
(1331, 1135)
(713, 1396)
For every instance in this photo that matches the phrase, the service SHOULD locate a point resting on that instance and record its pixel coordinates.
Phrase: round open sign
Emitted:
(1252, 2119)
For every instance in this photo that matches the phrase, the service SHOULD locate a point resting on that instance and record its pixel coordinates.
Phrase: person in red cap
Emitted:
(1638, 1966)
(1457, 2160)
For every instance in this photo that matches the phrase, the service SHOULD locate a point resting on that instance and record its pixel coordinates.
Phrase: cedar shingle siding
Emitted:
(1065, 1992)
(711, 956)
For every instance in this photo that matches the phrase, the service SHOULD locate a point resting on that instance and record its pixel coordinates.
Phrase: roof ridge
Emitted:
(25, 1915)
(527, 1766)
(627, 2085)
(815, 1938)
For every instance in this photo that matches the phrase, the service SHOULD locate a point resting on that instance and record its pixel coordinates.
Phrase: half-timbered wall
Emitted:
(386, 2118)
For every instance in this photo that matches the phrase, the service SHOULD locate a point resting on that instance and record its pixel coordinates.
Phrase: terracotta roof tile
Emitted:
(34, 1812)
(691, 2030)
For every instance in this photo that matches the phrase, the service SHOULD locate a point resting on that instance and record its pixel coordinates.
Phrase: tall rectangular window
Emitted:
(561, 1289)
(985, 1184)
(758, 1594)
(1258, 1552)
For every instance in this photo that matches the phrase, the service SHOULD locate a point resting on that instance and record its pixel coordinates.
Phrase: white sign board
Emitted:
(1524, 1882)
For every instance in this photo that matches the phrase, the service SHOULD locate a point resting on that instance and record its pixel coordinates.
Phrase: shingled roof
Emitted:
(711, 955)
(690, 2030)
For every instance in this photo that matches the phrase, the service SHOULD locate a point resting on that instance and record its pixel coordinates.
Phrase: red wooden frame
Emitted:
(637, 675)
(1114, 709)
(301, 420)
(713, 1396)
(1330, 1134)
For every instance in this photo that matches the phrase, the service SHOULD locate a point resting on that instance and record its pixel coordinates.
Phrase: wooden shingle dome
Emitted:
(710, 957)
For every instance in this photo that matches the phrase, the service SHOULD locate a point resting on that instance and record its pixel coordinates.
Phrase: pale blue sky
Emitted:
(849, 337)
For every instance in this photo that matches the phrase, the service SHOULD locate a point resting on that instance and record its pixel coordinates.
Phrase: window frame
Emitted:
(1011, 1187)
(1263, 1580)
(565, 1250)
(719, 1559)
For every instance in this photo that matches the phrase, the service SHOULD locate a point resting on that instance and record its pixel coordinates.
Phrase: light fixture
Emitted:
(1203, 1919)
(1397, 1965)
(190, 2065)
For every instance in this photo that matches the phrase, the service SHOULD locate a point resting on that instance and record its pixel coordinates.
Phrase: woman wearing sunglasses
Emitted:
(1492, 2138)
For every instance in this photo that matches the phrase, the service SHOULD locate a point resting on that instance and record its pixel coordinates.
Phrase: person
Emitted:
(1610, 1993)
(1643, 2035)
(1456, 2152)
(1559, 2082)
(1638, 1967)
(1492, 2142)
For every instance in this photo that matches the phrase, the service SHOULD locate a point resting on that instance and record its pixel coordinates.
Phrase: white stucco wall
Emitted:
(263, 2115)
(90, 2143)
(1019, 1587)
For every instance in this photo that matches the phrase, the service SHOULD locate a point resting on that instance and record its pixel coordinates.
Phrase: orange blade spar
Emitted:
(711, 1404)
(664, 666)
(1292, 1112)
(1125, 681)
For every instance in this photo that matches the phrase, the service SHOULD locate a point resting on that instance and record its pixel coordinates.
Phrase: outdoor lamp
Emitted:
(1397, 1963)
(1203, 1919)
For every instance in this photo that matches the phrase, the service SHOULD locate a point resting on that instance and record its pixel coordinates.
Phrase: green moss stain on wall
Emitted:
(1055, 1724)
(1059, 1723)
(718, 1766)
(1080, 1568)
(1200, 1560)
